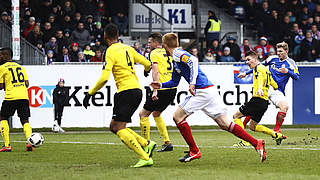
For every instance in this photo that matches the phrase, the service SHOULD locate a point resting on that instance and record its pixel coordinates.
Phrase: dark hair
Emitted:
(8, 50)
(111, 31)
(157, 37)
(251, 53)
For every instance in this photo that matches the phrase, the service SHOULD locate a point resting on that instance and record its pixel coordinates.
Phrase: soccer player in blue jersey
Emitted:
(204, 96)
(282, 68)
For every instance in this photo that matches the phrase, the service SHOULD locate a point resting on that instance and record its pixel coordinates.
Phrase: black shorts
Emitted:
(8, 109)
(165, 97)
(255, 108)
(125, 104)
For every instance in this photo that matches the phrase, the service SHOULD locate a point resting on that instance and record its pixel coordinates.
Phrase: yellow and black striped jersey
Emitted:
(120, 59)
(262, 79)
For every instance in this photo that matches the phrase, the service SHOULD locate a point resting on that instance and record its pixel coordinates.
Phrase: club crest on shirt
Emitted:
(185, 58)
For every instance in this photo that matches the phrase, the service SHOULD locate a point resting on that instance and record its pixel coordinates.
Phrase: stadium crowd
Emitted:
(67, 30)
(296, 22)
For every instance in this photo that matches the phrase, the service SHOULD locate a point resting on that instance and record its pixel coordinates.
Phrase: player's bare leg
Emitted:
(179, 118)
(283, 106)
(226, 124)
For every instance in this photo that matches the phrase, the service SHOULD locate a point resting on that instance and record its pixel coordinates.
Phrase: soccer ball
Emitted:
(36, 140)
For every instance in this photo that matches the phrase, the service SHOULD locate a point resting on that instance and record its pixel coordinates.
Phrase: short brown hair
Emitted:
(157, 37)
(171, 40)
(251, 53)
(283, 45)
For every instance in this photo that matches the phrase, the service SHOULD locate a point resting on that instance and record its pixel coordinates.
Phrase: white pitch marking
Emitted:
(226, 147)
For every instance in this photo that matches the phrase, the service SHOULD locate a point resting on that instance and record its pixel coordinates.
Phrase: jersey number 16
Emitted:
(16, 73)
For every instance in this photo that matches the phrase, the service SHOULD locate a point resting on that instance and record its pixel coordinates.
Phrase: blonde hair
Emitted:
(283, 45)
(171, 40)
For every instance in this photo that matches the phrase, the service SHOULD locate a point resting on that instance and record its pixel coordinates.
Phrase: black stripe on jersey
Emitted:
(104, 59)
(256, 71)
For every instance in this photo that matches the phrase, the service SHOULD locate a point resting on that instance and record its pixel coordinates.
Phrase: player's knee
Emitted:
(284, 107)
(143, 113)
(252, 127)
(23, 121)
(156, 114)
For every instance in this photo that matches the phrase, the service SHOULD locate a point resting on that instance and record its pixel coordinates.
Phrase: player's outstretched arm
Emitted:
(174, 82)
(294, 74)
(141, 60)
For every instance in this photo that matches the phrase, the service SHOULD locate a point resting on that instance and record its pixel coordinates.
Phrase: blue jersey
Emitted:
(186, 65)
(281, 79)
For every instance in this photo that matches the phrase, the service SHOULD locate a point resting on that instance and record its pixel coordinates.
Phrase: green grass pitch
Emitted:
(101, 155)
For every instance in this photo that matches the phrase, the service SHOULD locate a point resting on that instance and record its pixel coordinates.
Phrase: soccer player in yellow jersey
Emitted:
(14, 80)
(120, 59)
(258, 104)
(162, 69)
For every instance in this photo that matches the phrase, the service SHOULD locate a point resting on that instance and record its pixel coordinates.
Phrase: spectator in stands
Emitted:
(292, 17)
(88, 52)
(50, 57)
(98, 32)
(52, 21)
(136, 46)
(97, 57)
(285, 29)
(74, 52)
(98, 45)
(317, 21)
(101, 12)
(298, 39)
(64, 56)
(305, 13)
(244, 48)
(81, 35)
(195, 52)
(311, 6)
(216, 49)
(77, 18)
(281, 7)
(122, 22)
(147, 51)
(67, 23)
(68, 8)
(263, 44)
(212, 29)
(309, 22)
(315, 32)
(234, 48)
(61, 40)
(295, 7)
(251, 9)
(40, 46)
(30, 26)
(209, 57)
(304, 25)
(52, 45)
(5, 18)
(272, 52)
(89, 25)
(87, 7)
(260, 54)
(308, 48)
(226, 57)
(35, 35)
(67, 35)
(274, 33)
(81, 57)
(48, 32)
(45, 9)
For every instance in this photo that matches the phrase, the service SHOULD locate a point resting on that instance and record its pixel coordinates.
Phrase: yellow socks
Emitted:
(5, 132)
(145, 127)
(128, 139)
(142, 141)
(239, 122)
(265, 130)
(27, 130)
(162, 128)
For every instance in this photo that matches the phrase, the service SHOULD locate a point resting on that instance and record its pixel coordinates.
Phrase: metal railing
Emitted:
(30, 55)
(164, 1)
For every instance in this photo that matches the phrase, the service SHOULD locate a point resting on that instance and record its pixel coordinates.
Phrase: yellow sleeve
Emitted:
(107, 68)
(141, 60)
(260, 72)
(25, 74)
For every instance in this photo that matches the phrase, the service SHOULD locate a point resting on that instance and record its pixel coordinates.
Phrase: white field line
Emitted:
(312, 148)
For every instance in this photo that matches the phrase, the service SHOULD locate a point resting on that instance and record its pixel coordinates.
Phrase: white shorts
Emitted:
(208, 100)
(276, 96)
